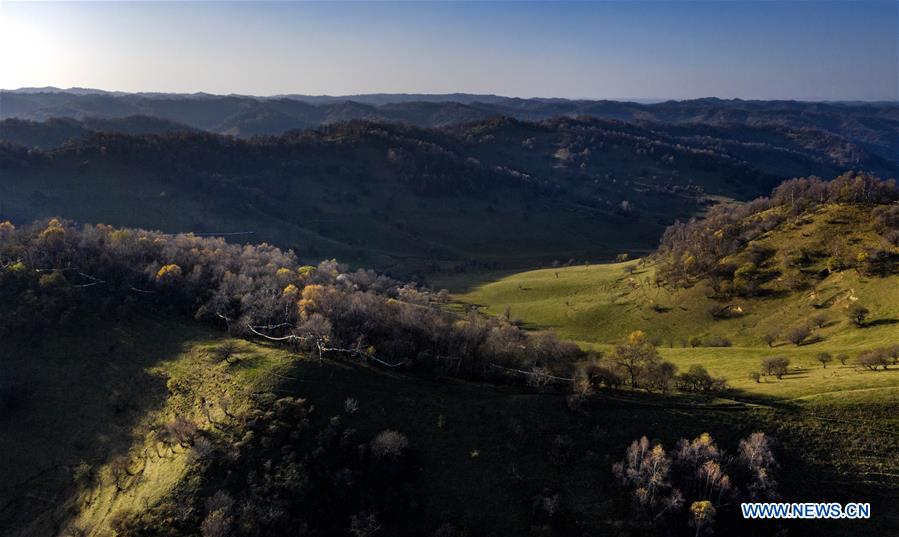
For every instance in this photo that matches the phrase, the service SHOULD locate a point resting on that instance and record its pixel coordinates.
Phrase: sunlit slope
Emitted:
(88, 402)
(598, 305)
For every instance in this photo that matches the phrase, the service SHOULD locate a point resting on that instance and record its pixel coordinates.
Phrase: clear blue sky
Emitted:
(762, 50)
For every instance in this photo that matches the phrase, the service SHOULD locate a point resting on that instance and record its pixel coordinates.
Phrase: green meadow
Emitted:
(599, 305)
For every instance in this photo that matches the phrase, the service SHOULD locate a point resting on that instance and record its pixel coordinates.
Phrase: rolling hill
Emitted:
(155, 420)
(801, 268)
(496, 193)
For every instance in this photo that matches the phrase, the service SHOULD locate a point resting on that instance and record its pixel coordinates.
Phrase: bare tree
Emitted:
(776, 365)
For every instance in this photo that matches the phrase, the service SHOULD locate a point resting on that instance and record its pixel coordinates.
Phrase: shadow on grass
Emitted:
(880, 322)
(84, 391)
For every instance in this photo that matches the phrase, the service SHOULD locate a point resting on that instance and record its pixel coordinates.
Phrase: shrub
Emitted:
(389, 444)
(226, 351)
(718, 341)
(351, 405)
(604, 377)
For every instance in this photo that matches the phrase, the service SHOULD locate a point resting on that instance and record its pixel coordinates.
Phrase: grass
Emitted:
(598, 305)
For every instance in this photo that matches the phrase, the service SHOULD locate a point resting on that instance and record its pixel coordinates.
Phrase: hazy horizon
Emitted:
(638, 100)
(639, 51)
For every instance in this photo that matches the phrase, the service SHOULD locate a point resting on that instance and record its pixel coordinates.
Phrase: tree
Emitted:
(770, 338)
(873, 359)
(702, 515)
(843, 358)
(635, 355)
(776, 365)
(698, 379)
(819, 320)
(893, 353)
(756, 454)
(658, 375)
(696, 474)
(824, 358)
(218, 522)
(798, 334)
(168, 274)
(857, 314)
(603, 377)
(646, 472)
(317, 330)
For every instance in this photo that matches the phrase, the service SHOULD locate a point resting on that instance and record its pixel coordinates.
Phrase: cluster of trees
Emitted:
(51, 270)
(697, 484)
(636, 363)
(695, 249)
(879, 358)
(804, 332)
(873, 359)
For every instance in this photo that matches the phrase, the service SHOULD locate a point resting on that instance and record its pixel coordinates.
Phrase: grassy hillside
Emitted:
(599, 305)
(482, 453)
(84, 399)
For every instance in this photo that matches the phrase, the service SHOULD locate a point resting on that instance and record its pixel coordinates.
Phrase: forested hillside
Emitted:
(492, 194)
(870, 127)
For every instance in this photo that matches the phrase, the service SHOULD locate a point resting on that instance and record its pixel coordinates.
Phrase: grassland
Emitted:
(598, 305)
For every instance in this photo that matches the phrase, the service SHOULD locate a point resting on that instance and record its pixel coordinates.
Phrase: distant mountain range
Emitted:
(871, 128)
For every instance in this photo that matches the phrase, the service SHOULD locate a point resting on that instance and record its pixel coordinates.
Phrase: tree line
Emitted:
(54, 272)
(694, 250)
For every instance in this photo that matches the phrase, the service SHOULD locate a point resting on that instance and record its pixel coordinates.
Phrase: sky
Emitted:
(755, 50)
